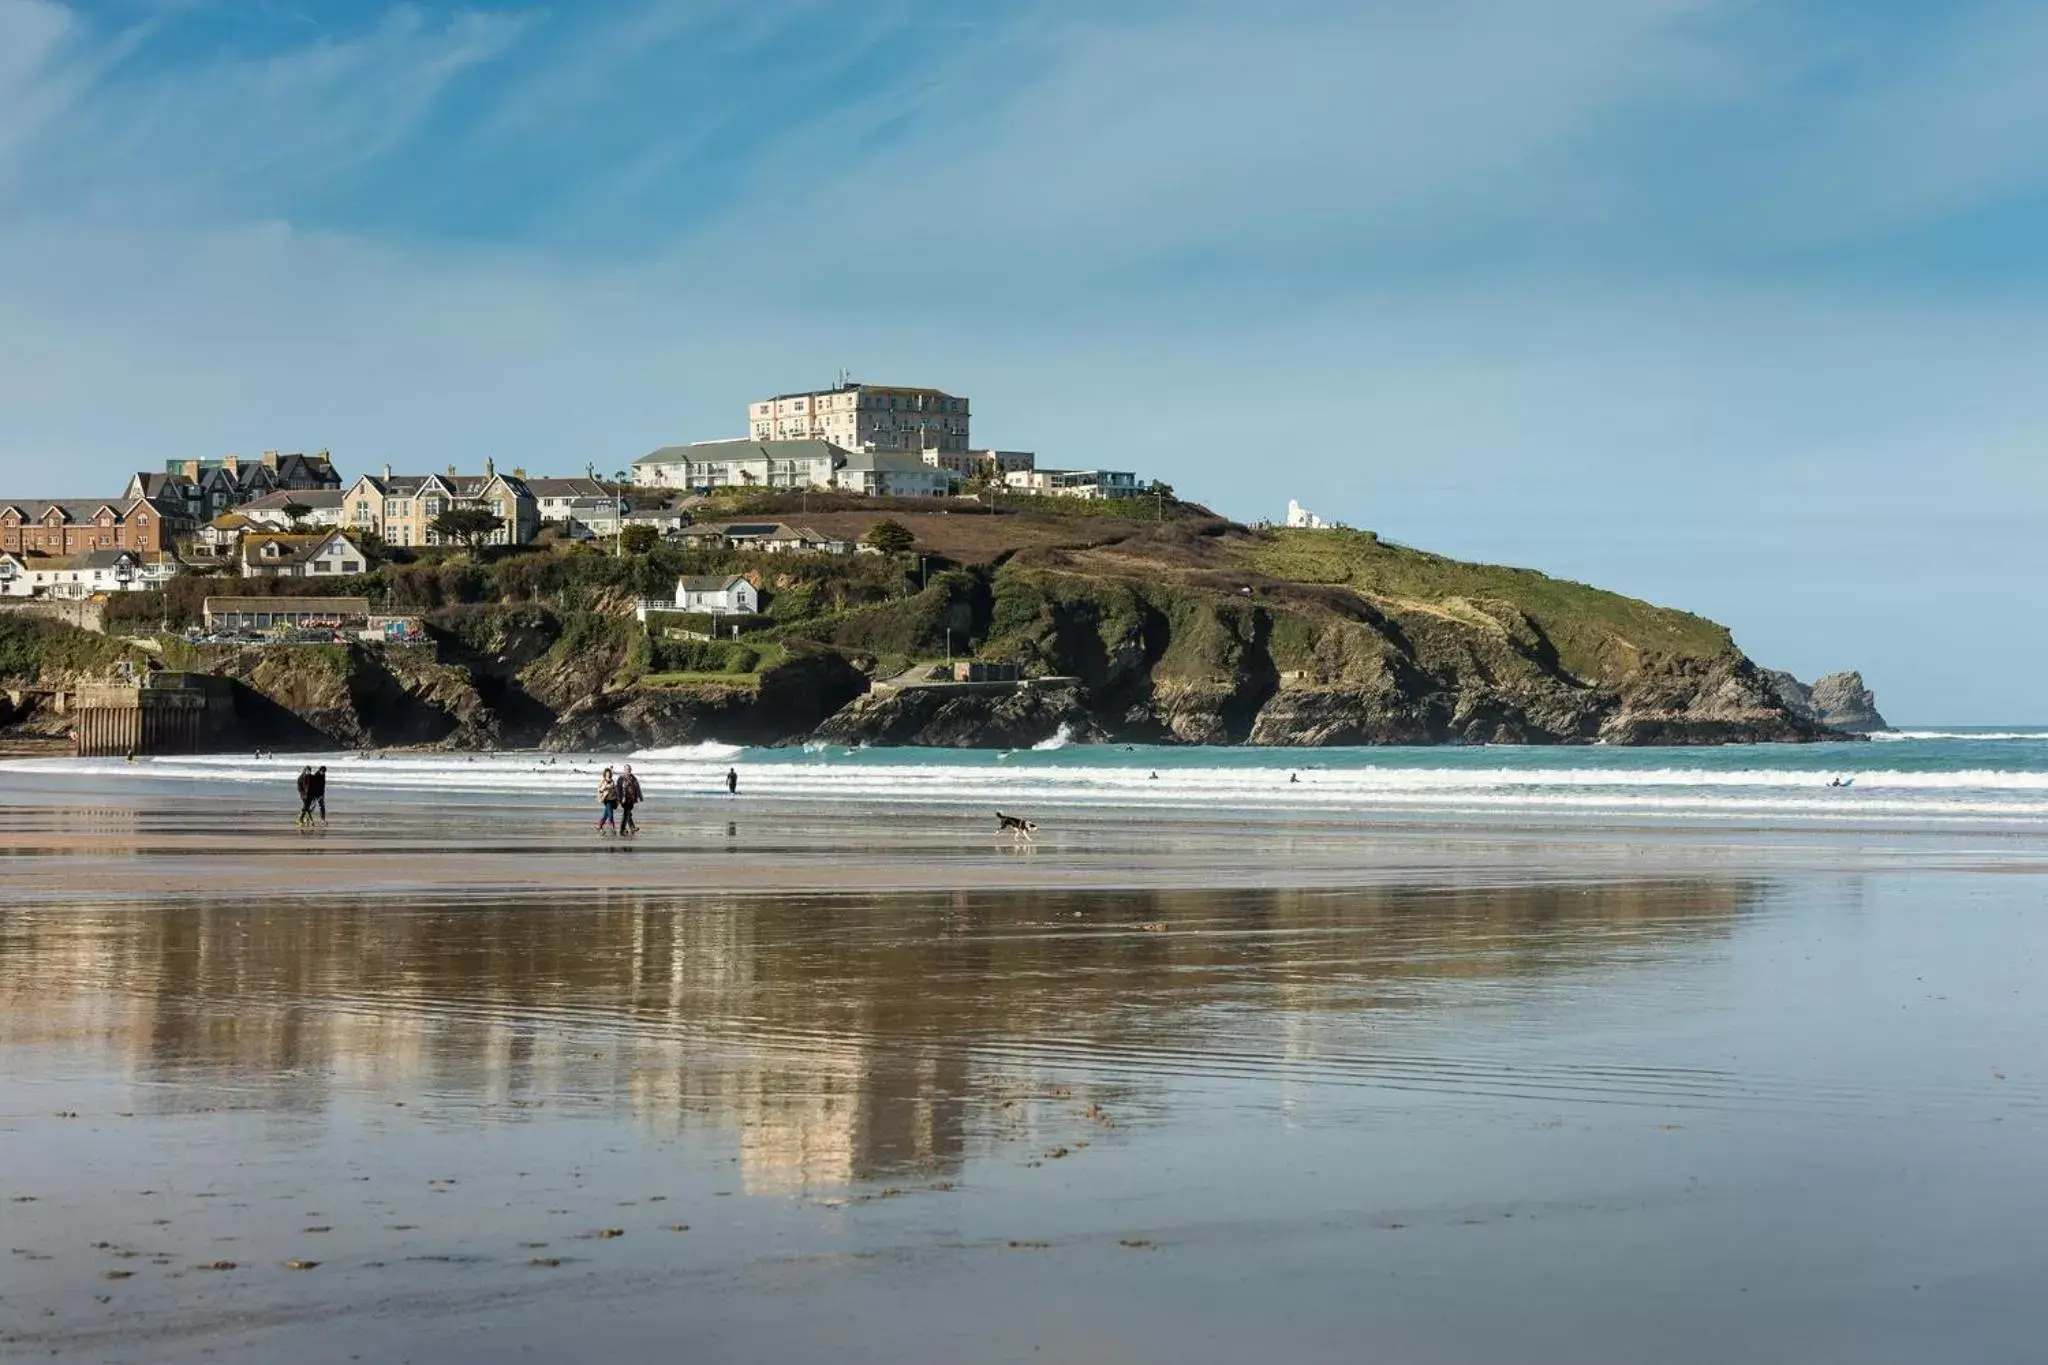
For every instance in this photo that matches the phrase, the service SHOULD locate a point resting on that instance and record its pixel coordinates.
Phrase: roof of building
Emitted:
(709, 582)
(461, 485)
(853, 386)
(741, 448)
(291, 549)
(313, 499)
(91, 559)
(156, 485)
(570, 488)
(74, 509)
(229, 521)
(322, 606)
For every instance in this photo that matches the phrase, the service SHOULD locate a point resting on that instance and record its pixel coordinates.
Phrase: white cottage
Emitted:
(726, 595)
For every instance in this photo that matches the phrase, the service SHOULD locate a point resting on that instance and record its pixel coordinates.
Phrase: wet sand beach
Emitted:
(454, 1080)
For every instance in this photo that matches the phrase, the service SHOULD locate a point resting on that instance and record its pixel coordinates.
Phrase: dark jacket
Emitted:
(307, 791)
(320, 785)
(629, 790)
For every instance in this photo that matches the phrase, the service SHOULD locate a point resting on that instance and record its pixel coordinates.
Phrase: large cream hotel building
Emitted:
(864, 417)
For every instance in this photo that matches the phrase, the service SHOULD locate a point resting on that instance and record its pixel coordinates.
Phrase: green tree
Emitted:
(471, 526)
(639, 540)
(296, 513)
(890, 537)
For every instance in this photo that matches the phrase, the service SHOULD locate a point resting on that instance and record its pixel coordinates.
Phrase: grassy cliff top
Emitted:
(1584, 623)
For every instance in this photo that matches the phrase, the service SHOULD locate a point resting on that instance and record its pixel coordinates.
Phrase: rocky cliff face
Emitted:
(1285, 665)
(1203, 634)
(1846, 704)
(1839, 701)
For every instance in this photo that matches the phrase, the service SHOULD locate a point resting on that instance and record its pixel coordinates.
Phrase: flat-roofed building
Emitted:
(980, 464)
(740, 464)
(892, 474)
(256, 614)
(1074, 483)
(858, 417)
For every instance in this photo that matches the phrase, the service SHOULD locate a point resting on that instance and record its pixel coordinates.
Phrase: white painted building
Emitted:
(859, 417)
(86, 575)
(713, 595)
(562, 499)
(322, 509)
(1091, 484)
(892, 474)
(705, 465)
(332, 555)
(1301, 518)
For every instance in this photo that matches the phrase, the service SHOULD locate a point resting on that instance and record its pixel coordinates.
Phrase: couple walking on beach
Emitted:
(618, 794)
(312, 793)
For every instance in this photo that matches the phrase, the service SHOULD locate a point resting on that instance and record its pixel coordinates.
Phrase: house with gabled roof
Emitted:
(320, 507)
(74, 526)
(324, 554)
(402, 508)
(83, 575)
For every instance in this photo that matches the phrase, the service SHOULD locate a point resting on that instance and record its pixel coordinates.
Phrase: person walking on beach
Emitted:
(608, 797)
(629, 797)
(320, 791)
(732, 781)
(306, 796)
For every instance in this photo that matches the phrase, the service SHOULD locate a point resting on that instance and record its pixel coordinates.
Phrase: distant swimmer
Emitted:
(732, 781)
(1843, 782)
(1153, 778)
(1294, 777)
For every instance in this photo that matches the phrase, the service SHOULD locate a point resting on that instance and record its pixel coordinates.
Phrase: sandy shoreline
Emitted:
(162, 844)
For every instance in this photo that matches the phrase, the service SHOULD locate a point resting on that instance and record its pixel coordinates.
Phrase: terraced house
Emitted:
(74, 526)
(402, 508)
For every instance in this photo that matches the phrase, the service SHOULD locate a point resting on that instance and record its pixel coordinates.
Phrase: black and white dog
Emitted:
(1016, 826)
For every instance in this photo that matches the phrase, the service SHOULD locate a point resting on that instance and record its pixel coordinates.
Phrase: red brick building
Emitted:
(76, 526)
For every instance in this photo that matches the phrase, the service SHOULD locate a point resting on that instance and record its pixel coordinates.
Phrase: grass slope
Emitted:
(1585, 624)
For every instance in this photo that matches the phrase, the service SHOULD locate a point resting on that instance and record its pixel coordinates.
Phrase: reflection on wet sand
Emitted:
(837, 1039)
(1440, 1118)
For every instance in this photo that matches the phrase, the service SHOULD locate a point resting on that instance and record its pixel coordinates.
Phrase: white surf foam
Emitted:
(1884, 796)
(1060, 739)
(706, 751)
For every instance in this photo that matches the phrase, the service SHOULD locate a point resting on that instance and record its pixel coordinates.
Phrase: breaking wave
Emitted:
(1930, 781)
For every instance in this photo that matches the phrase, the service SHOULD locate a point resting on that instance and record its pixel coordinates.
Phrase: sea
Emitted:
(1945, 778)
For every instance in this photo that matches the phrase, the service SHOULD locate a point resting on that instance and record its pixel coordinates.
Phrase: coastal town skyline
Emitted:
(1509, 330)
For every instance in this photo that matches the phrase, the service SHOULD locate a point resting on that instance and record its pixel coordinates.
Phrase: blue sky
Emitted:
(1729, 304)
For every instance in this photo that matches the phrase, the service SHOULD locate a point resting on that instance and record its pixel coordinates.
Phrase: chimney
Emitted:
(387, 471)
(270, 460)
(490, 467)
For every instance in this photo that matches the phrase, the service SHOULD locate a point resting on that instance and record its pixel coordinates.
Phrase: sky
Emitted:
(1732, 305)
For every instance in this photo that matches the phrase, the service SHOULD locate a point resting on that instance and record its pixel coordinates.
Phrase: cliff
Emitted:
(1188, 630)
(1838, 701)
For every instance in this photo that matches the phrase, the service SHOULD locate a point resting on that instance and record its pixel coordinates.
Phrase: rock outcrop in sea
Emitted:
(1838, 701)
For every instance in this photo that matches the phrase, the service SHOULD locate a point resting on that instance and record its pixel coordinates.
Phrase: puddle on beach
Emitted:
(1680, 1118)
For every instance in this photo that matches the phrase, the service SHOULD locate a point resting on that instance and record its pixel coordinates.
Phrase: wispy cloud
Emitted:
(1508, 279)
(230, 133)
